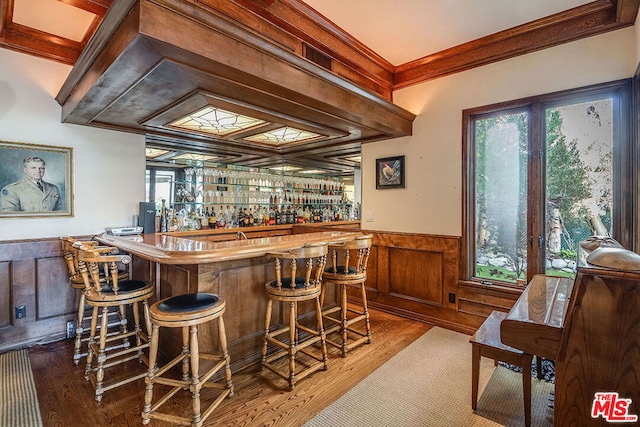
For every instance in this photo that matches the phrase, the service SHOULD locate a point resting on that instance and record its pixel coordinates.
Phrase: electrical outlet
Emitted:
(70, 330)
(452, 297)
(368, 216)
(21, 311)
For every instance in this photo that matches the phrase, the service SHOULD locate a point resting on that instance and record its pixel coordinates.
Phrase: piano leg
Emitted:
(475, 375)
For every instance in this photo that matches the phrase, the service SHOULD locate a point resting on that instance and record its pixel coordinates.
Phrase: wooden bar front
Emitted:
(234, 269)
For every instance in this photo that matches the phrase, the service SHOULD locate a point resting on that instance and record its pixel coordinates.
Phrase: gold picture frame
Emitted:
(35, 180)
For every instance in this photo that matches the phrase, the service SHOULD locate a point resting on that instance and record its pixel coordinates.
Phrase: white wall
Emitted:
(431, 201)
(109, 167)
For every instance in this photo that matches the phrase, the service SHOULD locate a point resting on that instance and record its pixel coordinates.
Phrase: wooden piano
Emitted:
(591, 327)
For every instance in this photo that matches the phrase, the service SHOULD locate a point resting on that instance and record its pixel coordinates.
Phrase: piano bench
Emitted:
(486, 342)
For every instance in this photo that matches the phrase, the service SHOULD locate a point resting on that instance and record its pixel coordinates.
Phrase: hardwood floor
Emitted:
(261, 398)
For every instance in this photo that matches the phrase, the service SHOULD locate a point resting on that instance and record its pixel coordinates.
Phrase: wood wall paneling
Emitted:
(418, 275)
(33, 274)
(6, 306)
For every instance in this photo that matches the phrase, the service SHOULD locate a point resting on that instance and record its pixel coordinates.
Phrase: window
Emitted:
(541, 175)
(159, 186)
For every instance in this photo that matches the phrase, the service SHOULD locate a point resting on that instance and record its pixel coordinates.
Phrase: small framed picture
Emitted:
(390, 172)
(35, 180)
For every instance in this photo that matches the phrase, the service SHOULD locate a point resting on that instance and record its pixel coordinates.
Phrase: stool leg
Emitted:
(267, 324)
(92, 340)
(123, 324)
(323, 337)
(185, 354)
(475, 375)
(195, 378)
(148, 394)
(79, 328)
(147, 316)
(225, 353)
(136, 328)
(344, 326)
(104, 325)
(292, 344)
(366, 312)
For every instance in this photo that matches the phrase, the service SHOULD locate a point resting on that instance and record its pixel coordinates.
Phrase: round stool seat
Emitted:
(300, 291)
(187, 309)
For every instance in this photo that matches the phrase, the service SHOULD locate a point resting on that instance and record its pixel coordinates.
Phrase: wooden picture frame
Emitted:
(390, 172)
(35, 180)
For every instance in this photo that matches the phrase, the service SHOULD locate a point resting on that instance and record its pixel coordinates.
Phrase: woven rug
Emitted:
(18, 398)
(429, 384)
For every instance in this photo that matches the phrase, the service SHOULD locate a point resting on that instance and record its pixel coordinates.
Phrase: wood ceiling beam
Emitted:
(591, 19)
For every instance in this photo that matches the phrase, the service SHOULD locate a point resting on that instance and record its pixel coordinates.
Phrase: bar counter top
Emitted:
(169, 249)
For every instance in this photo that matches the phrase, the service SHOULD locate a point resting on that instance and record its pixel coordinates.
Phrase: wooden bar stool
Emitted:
(187, 312)
(117, 317)
(486, 342)
(292, 290)
(348, 270)
(101, 295)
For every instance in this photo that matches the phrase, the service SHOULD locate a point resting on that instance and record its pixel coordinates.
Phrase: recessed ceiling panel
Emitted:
(53, 17)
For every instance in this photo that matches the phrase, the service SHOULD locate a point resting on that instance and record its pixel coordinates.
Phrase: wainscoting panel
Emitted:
(6, 310)
(51, 300)
(419, 276)
(33, 274)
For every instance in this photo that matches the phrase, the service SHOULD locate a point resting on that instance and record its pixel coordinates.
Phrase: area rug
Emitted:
(18, 398)
(429, 384)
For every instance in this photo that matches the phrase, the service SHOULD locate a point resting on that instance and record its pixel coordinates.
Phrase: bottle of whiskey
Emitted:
(163, 217)
(245, 217)
(212, 218)
(221, 221)
(251, 219)
(240, 218)
(204, 220)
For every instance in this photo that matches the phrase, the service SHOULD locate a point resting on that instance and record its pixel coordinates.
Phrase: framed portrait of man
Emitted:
(35, 180)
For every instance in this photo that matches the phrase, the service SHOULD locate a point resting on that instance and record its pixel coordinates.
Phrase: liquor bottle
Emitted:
(245, 217)
(251, 219)
(204, 220)
(294, 215)
(212, 218)
(163, 217)
(260, 220)
(234, 217)
(220, 219)
(240, 218)
(228, 217)
(289, 216)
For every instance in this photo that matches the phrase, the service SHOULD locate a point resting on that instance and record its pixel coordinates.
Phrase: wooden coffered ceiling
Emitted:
(153, 60)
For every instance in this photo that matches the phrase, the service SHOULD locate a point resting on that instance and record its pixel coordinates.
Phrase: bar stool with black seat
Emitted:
(117, 317)
(348, 268)
(187, 312)
(292, 290)
(101, 295)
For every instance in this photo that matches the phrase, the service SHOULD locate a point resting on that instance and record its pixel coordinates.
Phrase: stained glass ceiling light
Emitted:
(313, 171)
(284, 135)
(215, 121)
(194, 157)
(285, 168)
(152, 153)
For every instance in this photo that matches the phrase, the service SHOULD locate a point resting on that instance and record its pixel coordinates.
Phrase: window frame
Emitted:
(625, 168)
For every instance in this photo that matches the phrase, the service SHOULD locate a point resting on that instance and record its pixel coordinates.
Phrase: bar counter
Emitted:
(196, 249)
(235, 269)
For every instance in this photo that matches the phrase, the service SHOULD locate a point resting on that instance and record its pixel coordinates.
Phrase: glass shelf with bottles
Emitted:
(233, 216)
(209, 186)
